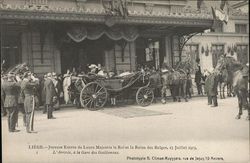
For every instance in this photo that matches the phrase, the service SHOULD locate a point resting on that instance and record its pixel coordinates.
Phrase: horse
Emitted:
(155, 82)
(239, 77)
(74, 89)
(176, 81)
(225, 82)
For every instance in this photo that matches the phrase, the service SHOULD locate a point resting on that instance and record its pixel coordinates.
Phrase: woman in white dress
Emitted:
(66, 84)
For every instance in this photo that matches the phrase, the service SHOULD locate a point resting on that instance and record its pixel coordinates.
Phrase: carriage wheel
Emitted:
(93, 96)
(144, 96)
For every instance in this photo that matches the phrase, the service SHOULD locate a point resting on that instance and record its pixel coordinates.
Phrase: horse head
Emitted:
(228, 63)
(221, 64)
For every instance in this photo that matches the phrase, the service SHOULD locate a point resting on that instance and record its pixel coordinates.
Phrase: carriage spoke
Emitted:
(91, 103)
(140, 96)
(87, 99)
(99, 90)
(88, 102)
(96, 88)
(140, 100)
(85, 96)
(98, 94)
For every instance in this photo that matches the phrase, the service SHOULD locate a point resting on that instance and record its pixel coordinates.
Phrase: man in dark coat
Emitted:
(197, 80)
(3, 109)
(211, 85)
(58, 88)
(43, 96)
(189, 84)
(9, 90)
(50, 94)
(29, 90)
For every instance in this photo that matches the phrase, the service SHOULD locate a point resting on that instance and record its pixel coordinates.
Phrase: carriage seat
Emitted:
(117, 82)
(112, 83)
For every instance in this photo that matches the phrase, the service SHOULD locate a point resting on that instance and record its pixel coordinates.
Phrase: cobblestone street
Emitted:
(208, 131)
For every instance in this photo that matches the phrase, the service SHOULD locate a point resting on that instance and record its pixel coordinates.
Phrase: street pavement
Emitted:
(192, 128)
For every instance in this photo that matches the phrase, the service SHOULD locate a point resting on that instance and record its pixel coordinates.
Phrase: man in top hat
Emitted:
(50, 95)
(198, 77)
(9, 90)
(29, 88)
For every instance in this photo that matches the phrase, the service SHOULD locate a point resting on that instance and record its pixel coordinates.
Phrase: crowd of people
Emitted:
(23, 93)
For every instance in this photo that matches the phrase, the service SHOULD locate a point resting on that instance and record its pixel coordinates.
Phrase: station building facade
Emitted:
(231, 38)
(56, 35)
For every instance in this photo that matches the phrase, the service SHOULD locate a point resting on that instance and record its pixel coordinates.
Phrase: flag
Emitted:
(219, 15)
(223, 3)
(115, 7)
(199, 2)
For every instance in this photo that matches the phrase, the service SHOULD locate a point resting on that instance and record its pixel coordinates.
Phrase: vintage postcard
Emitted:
(121, 81)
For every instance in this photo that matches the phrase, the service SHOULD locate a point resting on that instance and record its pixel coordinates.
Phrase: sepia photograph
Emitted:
(125, 81)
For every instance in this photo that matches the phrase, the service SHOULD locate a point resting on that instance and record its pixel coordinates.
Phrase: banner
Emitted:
(220, 15)
(79, 33)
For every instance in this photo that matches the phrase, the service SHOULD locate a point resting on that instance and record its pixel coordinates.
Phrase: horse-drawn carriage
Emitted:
(93, 90)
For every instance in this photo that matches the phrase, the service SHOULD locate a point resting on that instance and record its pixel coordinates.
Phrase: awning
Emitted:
(79, 33)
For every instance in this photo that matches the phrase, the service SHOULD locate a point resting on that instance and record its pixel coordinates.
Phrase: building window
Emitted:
(191, 53)
(148, 52)
(217, 51)
(242, 53)
(10, 48)
(240, 28)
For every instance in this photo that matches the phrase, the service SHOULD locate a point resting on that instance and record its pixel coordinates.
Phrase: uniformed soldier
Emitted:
(29, 87)
(9, 90)
(20, 102)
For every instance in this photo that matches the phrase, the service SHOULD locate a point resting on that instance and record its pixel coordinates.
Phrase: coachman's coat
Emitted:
(50, 91)
(211, 84)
